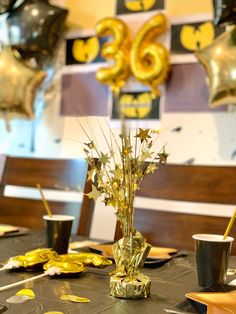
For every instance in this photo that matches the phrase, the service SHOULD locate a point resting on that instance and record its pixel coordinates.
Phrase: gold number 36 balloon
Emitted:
(146, 59)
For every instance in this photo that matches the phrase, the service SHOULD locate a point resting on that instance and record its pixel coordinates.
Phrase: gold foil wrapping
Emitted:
(127, 281)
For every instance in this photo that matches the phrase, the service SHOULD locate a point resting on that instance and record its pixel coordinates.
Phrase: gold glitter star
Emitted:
(143, 134)
(90, 145)
(104, 158)
(152, 167)
(94, 193)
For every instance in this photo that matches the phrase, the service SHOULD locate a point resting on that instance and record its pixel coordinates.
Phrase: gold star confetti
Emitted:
(28, 292)
(74, 298)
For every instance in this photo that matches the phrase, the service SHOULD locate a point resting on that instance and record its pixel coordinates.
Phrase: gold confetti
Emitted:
(74, 298)
(53, 312)
(27, 292)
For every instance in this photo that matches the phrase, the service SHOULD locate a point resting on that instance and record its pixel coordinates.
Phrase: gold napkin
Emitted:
(216, 302)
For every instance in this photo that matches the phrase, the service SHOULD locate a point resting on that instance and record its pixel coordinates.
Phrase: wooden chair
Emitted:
(59, 175)
(181, 198)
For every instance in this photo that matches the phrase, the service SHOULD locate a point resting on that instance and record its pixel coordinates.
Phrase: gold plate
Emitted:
(155, 252)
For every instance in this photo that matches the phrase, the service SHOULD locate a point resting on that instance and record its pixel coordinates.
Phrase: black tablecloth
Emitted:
(169, 284)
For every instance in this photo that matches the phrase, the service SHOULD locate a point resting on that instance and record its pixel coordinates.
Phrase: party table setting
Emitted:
(53, 271)
(36, 279)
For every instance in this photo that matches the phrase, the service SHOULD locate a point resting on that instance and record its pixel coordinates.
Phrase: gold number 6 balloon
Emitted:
(116, 50)
(149, 59)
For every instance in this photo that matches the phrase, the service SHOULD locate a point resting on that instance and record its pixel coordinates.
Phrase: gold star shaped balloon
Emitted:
(216, 302)
(219, 61)
(18, 84)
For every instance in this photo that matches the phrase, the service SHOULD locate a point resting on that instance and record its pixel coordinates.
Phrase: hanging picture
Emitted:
(189, 37)
(138, 107)
(135, 6)
(84, 50)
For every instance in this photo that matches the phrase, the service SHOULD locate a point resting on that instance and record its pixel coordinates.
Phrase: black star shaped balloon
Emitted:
(219, 61)
(35, 27)
(6, 5)
(224, 12)
(18, 84)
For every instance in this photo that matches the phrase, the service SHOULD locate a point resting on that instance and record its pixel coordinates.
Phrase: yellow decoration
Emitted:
(53, 312)
(66, 263)
(76, 262)
(194, 39)
(28, 292)
(216, 302)
(74, 298)
(136, 106)
(150, 60)
(219, 61)
(117, 180)
(85, 50)
(139, 5)
(116, 51)
(33, 259)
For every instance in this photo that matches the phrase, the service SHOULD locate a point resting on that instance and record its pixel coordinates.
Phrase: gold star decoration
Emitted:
(146, 155)
(18, 84)
(216, 302)
(143, 135)
(90, 174)
(104, 158)
(162, 156)
(219, 62)
(94, 193)
(90, 145)
(152, 167)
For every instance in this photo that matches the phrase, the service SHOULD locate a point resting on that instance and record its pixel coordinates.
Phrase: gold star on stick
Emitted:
(152, 167)
(216, 302)
(94, 193)
(143, 135)
(162, 156)
(104, 158)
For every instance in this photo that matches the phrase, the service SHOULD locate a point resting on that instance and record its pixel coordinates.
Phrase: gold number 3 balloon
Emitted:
(146, 59)
(118, 50)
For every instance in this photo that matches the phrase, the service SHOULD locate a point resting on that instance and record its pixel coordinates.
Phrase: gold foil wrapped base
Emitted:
(127, 288)
(127, 281)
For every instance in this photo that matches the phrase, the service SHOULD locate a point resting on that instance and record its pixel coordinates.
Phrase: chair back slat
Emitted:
(199, 185)
(59, 175)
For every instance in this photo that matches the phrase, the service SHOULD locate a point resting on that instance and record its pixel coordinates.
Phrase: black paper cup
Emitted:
(212, 257)
(58, 231)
